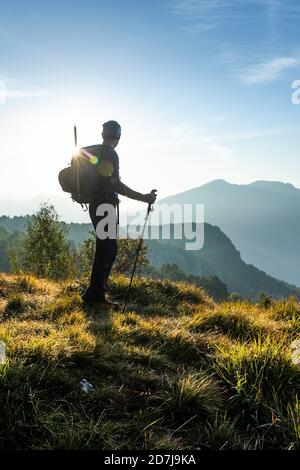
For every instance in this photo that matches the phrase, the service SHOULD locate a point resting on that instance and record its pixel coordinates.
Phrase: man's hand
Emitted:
(150, 197)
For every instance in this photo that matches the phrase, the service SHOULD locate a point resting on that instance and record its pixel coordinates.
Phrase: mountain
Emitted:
(262, 219)
(218, 257)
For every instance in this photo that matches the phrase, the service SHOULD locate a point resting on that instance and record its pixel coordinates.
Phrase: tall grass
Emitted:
(177, 371)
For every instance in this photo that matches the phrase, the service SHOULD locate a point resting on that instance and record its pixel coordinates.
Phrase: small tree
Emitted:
(45, 250)
(235, 297)
(264, 301)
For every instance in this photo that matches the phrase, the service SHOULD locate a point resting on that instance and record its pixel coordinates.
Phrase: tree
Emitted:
(264, 301)
(45, 250)
(9, 244)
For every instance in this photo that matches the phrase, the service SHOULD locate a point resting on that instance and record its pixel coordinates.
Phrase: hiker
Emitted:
(106, 249)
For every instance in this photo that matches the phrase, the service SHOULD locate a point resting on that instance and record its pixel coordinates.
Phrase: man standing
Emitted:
(110, 185)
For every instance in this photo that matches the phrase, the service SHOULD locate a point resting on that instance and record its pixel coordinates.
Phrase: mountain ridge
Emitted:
(262, 219)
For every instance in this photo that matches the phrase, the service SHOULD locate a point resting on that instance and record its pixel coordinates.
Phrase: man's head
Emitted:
(111, 133)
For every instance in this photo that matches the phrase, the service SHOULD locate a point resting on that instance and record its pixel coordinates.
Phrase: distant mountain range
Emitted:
(262, 219)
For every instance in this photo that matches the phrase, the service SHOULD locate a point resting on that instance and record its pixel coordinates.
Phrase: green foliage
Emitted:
(45, 250)
(264, 301)
(9, 245)
(234, 297)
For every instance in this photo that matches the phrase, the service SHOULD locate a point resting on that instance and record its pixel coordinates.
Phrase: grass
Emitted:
(177, 371)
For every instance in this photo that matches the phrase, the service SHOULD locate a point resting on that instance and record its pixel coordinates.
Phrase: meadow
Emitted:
(176, 371)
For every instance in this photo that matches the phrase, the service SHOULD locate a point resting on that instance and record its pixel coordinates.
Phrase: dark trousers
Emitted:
(105, 255)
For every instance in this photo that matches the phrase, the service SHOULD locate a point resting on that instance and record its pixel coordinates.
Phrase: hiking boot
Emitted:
(104, 303)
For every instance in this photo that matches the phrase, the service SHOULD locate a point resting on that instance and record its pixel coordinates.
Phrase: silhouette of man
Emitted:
(110, 186)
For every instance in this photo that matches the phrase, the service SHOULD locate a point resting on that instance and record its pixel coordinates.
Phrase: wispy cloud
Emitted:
(267, 71)
(6, 93)
(250, 58)
(201, 15)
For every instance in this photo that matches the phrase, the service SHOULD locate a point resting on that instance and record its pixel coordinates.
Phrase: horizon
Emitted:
(80, 216)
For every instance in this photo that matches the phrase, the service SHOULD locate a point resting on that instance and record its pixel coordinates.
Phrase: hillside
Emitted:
(218, 257)
(175, 372)
(262, 220)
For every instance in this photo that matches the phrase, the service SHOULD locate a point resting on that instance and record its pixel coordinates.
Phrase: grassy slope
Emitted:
(176, 372)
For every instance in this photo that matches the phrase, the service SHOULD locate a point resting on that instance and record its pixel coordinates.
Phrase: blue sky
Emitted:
(202, 89)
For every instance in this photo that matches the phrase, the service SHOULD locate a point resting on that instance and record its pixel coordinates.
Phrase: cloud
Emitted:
(267, 71)
(25, 94)
(205, 15)
(6, 93)
(250, 58)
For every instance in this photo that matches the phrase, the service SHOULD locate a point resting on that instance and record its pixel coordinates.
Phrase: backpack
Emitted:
(80, 179)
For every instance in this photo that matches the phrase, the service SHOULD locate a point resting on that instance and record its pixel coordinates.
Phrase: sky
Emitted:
(201, 88)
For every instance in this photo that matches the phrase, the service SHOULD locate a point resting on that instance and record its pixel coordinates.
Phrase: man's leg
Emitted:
(104, 258)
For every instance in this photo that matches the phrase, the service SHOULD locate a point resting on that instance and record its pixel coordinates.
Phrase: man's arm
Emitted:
(124, 190)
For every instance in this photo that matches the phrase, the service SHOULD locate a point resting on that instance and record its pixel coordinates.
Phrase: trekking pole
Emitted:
(75, 135)
(77, 163)
(149, 209)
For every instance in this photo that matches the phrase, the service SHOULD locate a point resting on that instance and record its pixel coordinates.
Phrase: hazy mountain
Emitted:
(262, 219)
(219, 257)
